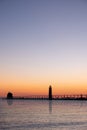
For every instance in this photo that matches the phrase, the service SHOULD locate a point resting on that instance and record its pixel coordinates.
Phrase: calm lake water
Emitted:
(43, 115)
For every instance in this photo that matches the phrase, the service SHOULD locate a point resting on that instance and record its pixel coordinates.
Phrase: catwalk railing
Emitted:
(55, 97)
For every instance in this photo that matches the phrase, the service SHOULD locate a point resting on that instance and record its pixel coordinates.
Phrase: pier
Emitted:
(50, 96)
(55, 97)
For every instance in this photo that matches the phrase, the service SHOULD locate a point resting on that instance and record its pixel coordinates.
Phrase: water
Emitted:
(43, 115)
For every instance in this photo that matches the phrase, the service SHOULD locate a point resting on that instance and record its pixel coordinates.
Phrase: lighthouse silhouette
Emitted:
(50, 92)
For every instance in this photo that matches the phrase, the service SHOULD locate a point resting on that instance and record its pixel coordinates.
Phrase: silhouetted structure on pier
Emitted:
(9, 95)
(50, 93)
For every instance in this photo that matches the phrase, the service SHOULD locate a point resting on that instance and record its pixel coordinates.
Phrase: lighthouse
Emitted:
(50, 92)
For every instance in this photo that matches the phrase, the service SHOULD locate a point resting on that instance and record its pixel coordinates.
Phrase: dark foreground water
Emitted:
(43, 115)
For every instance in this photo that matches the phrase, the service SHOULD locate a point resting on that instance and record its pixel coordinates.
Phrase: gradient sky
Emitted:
(43, 42)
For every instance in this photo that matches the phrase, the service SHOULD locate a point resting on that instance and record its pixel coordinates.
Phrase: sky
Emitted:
(42, 43)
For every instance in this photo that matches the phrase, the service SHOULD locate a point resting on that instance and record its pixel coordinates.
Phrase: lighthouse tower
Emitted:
(50, 92)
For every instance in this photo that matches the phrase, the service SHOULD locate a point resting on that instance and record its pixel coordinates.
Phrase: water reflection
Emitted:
(9, 102)
(50, 106)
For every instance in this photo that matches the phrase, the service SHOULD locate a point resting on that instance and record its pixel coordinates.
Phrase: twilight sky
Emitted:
(43, 42)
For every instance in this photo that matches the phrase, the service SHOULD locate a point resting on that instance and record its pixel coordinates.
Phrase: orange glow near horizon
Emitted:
(42, 89)
(36, 85)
